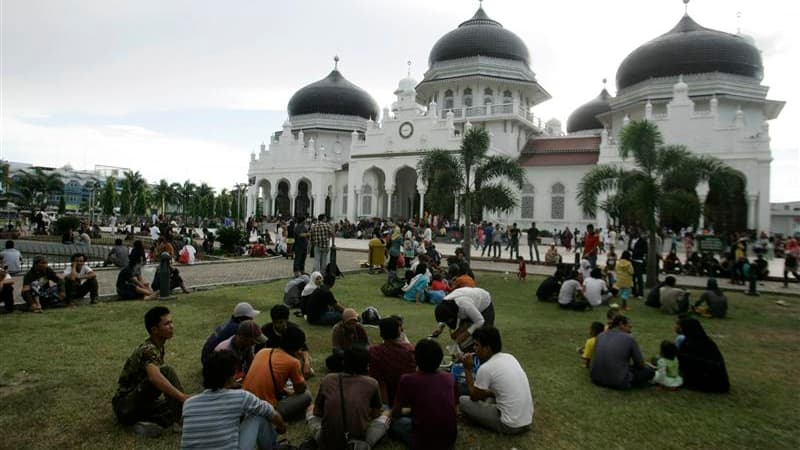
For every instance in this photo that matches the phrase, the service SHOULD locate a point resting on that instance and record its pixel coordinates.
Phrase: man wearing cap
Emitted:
(270, 371)
(344, 336)
(41, 285)
(241, 345)
(243, 311)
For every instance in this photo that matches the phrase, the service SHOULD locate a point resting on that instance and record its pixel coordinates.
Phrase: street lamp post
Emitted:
(239, 187)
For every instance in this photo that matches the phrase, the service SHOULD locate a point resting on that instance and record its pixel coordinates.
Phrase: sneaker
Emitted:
(147, 429)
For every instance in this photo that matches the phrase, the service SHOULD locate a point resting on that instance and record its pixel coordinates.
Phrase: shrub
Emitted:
(65, 223)
(229, 238)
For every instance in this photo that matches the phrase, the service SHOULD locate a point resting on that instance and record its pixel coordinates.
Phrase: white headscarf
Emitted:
(316, 281)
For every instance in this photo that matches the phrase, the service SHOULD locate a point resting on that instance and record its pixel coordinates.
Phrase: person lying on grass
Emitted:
(223, 416)
(149, 393)
(500, 376)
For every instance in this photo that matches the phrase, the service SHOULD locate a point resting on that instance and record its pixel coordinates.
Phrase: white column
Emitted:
(292, 195)
(702, 194)
(357, 203)
(422, 202)
(752, 202)
(250, 197)
(455, 209)
(389, 193)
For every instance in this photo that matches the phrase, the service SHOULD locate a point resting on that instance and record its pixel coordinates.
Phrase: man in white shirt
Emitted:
(595, 289)
(12, 258)
(464, 310)
(501, 377)
(80, 279)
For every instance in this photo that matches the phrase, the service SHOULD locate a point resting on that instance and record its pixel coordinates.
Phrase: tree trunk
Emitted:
(467, 244)
(652, 261)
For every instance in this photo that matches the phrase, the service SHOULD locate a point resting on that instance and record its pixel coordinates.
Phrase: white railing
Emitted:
(503, 109)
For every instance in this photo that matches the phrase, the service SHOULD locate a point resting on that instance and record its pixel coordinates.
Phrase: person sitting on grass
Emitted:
(322, 307)
(426, 403)
(131, 285)
(552, 258)
(587, 352)
(145, 380)
(389, 360)
(701, 363)
(568, 296)
(595, 289)
(549, 288)
(464, 310)
(241, 312)
(618, 362)
(673, 300)
(414, 290)
(501, 377)
(118, 256)
(224, 416)
(667, 369)
(345, 335)
(463, 279)
(272, 368)
(714, 298)
(241, 345)
(41, 286)
(276, 329)
(79, 280)
(332, 423)
(7, 291)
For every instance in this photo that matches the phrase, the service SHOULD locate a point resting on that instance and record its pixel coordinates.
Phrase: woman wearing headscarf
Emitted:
(714, 298)
(701, 363)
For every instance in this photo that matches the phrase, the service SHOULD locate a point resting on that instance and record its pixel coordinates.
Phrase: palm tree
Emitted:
(34, 189)
(164, 193)
(478, 177)
(661, 183)
(134, 187)
(204, 201)
(184, 196)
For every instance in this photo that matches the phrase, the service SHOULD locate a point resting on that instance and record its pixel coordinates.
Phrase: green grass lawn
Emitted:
(59, 370)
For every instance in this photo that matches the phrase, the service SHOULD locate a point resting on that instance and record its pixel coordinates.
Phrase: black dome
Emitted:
(690, 48)
(584, 118)
(479, 35)
(333, 95)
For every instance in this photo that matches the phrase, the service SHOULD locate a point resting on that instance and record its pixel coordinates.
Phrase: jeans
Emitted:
(401, 430)
(321, 258)
(486, 415)
(257, 430)
(294, 407)
(514, 246)
(76, 289)
(144, 402)
(638, 278)
(533, 248)
(592, 260)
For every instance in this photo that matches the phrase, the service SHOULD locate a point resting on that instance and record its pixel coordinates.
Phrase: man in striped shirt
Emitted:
(213, 418)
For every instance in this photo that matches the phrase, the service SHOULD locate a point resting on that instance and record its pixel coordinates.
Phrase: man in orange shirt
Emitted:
(270, 371)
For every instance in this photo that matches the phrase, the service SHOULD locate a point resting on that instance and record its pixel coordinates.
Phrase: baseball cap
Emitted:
(244, 309)
(250, 329)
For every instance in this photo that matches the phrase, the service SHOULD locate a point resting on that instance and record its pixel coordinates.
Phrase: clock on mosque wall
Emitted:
(406, 130)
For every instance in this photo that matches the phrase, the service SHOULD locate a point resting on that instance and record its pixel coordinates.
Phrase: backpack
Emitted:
(393, 287)
(370, 316)
(183, 258)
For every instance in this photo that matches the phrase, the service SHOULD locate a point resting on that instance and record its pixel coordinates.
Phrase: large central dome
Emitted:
(333, 95)
(479, 35)
(690, 48)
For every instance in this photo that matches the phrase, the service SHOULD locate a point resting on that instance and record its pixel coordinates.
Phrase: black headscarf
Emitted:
(701, 363)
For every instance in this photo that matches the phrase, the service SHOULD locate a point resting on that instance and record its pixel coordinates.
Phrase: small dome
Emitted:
(479, 35)
(333, 95)
(584, 118)
(407, 84)
(690, 48)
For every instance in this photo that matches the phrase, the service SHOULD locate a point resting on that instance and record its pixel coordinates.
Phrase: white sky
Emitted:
(188, 88)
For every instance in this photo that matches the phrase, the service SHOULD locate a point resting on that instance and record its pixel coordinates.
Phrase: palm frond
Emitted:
(495, 197)
(601, 178)
(494, 167)
(641, 140)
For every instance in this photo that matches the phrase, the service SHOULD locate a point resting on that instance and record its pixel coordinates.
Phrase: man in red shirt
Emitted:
(391, 359)
(591, 245)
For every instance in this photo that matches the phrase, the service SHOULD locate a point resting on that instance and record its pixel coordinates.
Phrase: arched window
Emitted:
(507, 98)
(526, 205)
(467, 98)
(448, 99)
(366, 200)
(557, 201)
(344, 200)
(488, 96)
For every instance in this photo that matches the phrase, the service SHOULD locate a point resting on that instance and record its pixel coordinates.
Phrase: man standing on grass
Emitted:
(145, 378)
(500, 376)
(321, 234)
(80, 279)
(533, 242)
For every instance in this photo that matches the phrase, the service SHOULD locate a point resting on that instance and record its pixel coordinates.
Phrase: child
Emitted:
(667, 373)
(611, 267)
(611, 314)
(522, 272)
(438, 289)
(624, 272)
(588, 348)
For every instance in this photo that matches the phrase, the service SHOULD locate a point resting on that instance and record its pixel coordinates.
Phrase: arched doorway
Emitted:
(328, 202)
(282, 199)
(372, 201)
(406, 198)
(263, 198)
(726, 204)
(302, 203)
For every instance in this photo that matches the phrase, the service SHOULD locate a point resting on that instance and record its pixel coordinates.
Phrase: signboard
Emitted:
(711, 244)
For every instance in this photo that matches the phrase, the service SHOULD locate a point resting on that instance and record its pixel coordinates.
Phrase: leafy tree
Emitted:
(661, 183)
(164, 194)
(134, 188)
(108, 196)
(223, 204)
(478, 178)
(62, 205)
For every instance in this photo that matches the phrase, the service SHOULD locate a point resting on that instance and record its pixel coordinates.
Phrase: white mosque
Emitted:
(338, 154)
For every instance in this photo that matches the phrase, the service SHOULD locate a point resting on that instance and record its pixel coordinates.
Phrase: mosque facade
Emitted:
(339, 155)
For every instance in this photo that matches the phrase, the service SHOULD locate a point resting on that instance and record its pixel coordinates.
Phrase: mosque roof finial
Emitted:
(336, 62)
(604, 83)
(480, 4)
(409, 68)
(738, 22)
(686, 7)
